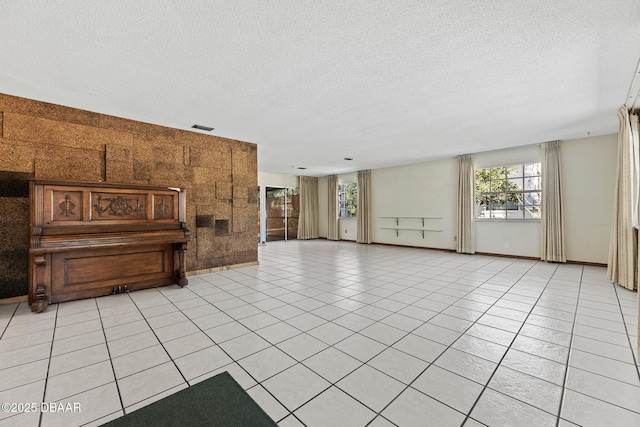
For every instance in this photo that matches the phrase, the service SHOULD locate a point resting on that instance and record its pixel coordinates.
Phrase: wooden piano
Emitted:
(92, 239)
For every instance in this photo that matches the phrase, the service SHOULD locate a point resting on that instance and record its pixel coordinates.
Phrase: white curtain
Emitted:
(552, 216)
(309, 211)
(466, 205)
(332, 232)
(623, 249)
(363, 210)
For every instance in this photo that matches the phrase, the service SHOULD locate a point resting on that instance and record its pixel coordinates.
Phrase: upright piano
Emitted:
(93, 239)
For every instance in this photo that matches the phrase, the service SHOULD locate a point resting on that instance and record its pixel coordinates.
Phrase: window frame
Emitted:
(344, 202)
(513, 187)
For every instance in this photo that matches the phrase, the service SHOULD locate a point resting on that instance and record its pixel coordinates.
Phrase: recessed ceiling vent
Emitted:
(200, 127)
(301, 167)
(348, 158)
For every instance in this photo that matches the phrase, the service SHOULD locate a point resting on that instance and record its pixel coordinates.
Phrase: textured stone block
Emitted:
(45, 131)
(240, 194)
(224, 190)
(223, 209)
(70, 164)
(203, 194)
(203, 157)
(239, 220)
(239, 162)
(204, 244)
(119, 171)
(168, 154)
(142, 171)
(118, 153)
(207, 209)
(172, 174)
(17, 158)
(143, 150)
(203, 176)
(46, 110)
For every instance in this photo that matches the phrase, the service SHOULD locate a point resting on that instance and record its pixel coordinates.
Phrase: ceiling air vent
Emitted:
(200, 127)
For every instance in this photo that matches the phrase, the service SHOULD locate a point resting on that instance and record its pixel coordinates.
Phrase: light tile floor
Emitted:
(339, 334)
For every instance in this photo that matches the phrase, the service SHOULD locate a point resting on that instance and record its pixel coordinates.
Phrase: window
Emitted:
(509, 192)
(348, 199)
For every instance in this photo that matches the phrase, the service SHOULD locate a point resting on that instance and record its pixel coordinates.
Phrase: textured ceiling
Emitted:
(312, 82)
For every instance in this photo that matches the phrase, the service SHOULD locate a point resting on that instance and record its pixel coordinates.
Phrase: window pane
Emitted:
(347, 199)
(533, 169)
(497, 185)
(514, 199)
(516, 184)
(532, 183)
(532, 212)
(498, 201)
(483, 212)
(514, 171)
(498, 172)
(532, 198)
(508, 192)
(498, 214)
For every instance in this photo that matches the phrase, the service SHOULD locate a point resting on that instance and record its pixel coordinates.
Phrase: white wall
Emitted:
(422, 189)
(266, 179)
(588, 183)
(430, 189)
(508, 237)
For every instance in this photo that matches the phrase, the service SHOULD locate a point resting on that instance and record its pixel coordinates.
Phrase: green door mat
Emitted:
(217, 401)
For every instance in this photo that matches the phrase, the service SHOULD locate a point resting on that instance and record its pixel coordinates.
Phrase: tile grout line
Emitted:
(106, 344)
(424, 322)
(633, 355)
(4, 330)
(362, 363)
(447, 347)
(569, 353)
(46, 380)
(499, 364)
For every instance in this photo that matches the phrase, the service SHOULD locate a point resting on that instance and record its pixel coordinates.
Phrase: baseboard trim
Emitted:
(530, 258)
(590, 264)
(13, 300)
(414, 247)
(222, 268)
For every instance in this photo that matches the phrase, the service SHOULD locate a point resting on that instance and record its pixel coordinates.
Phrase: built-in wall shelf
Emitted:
(409, 220)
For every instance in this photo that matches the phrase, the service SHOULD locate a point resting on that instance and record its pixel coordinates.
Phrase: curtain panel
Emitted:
(308, 223)
(622, 267)
(552, 220)
(466, 205)
(332, 231)
(363, 212)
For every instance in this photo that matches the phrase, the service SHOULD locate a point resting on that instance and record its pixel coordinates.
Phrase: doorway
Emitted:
(282, 212)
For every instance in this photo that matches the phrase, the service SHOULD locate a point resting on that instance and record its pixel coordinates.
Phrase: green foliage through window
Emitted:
(508, 192)
(348, 199)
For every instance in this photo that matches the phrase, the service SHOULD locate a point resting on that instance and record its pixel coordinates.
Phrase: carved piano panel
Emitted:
(91, 239)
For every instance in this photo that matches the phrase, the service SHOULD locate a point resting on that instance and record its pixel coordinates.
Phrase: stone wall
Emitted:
(47, 141)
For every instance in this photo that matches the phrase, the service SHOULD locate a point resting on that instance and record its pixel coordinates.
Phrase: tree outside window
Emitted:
(508, 192)
(348, 199)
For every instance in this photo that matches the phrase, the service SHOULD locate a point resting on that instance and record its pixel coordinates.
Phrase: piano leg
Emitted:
(180, 271)
(40, 301)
